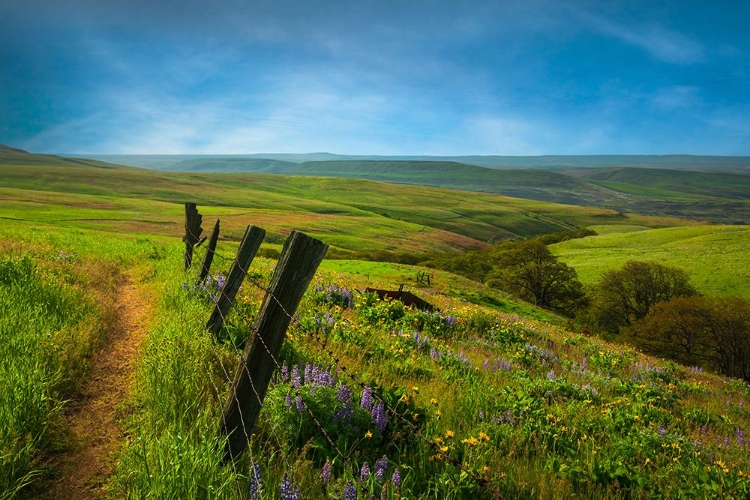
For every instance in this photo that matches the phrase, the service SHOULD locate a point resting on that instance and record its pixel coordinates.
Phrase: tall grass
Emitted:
(535, 410)
(38, 312)
(173, 449)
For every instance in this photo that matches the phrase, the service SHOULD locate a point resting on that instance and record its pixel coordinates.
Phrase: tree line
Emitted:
(650, 305)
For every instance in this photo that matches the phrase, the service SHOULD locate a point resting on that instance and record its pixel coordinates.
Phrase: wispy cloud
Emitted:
(680, 96)
(660, 42)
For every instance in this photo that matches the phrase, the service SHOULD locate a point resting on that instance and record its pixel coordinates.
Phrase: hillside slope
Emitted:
(672, 184)
(717, 258)
(351, 214)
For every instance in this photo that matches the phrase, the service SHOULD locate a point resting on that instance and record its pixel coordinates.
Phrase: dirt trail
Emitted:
(91, 416)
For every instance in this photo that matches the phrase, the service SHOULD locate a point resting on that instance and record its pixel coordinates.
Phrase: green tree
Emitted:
(534, 274)
(628, 294)
(706, 331)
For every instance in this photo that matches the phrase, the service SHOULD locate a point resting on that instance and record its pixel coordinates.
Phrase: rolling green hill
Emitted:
(531, 184)
(15, 156)
(708, 188)
(740, 164)
(351, 214)
(672, 184)
(717, 258)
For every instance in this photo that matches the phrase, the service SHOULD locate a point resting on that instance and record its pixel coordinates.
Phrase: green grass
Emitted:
(539, 411)
(677, 184)
(717, 258)
(498, 386)
(351, 214)
(48, 328)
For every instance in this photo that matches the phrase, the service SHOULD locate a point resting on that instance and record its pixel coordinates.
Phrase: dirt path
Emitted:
(91, 416)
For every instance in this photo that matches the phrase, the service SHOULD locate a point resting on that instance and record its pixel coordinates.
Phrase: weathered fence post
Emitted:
(299, 260)
(245, 255)
(209, 258)
(193, 231)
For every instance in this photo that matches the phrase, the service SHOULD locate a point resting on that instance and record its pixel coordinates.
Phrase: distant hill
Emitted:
(709, 188)
(670, 183)
(16, 156)
(230, 165)
(540, 185)
(351, 214)
(740, 164)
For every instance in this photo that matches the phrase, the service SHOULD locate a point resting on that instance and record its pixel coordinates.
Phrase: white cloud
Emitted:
(503, 135)
(680, 96)
(658, 41)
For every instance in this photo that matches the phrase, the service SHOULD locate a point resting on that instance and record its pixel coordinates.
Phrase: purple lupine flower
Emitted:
(326, 472)
(350, 492)
(366, 402)
(450, 320)
(396, 478)
(740, 437)
(364, 472)
(551, 375)
(288, 490)
(662, 430)
(344, 394)
(381, 467)
(435, 354)
(299, 403)
(308, 373)
(296, 378)
(344, 413)
(324, 378)
(486, 365)
(464, 358)
(255, 482)
(284, 372)
(379, 417)
(288, 400)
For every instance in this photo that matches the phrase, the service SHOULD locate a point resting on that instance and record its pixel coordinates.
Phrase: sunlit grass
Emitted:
(715, 257)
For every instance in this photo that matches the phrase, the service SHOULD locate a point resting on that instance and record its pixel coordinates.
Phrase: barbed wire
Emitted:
(255, 334)
(480, 481)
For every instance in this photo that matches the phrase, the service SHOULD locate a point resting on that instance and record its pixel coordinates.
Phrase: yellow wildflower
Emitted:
(472, 441)
(368, 434)
(483, 437)
(449, 434)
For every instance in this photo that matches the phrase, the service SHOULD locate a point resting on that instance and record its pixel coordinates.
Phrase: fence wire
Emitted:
(254, 333)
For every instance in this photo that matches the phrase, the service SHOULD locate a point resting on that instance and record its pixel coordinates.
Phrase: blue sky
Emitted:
(388, 77)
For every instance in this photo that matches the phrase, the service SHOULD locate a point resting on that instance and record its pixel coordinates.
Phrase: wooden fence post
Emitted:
(209, 258)
(299, 260)
(245, 255)
(193, 231)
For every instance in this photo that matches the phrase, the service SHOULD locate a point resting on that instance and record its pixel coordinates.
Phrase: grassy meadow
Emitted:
(715, 257)
(57, 294)
(485, 395)
(533, 409)
(350, 214)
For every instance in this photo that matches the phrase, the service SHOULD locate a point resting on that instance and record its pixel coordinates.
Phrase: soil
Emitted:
(91, 417)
